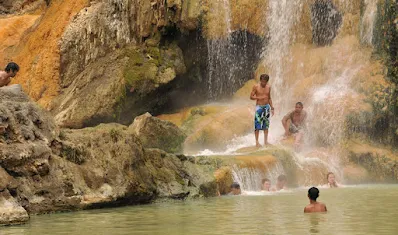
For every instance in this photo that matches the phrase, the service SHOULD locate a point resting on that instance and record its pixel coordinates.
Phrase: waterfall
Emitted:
(367, 21)
(231, 54)
(322, 72)
(250, 179)
(281, 18)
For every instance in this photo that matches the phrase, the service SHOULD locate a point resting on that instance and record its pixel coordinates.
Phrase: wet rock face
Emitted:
(326, 21)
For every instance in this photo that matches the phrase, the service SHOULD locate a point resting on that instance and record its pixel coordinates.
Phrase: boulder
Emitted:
(11, 212)
(156, 133)
(45, 170)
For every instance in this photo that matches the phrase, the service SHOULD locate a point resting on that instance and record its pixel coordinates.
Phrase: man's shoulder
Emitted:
(2, 74)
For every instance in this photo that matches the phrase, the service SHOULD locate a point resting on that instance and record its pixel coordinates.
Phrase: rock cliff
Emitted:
(46, 170)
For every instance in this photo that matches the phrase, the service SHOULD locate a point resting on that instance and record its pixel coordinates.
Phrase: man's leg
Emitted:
(298, 140)
(256, 133)
(286, 126)
(266, 137)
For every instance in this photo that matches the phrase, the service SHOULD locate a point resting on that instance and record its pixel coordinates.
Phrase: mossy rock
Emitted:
(156, 133)
(149, 66)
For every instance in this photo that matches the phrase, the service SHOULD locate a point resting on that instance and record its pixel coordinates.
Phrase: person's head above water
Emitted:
(281, 182)
(264, 78)
(299, 107)
(331, 179)
(235, 189)
(266, 184)
(12, 69)
(313, 193)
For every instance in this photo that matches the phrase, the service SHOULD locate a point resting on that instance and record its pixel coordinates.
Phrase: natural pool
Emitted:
(365, 209)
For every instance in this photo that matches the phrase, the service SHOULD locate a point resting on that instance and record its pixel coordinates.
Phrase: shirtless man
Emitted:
(294, 123)
(11, 71)
(261, 93)
(314, 206)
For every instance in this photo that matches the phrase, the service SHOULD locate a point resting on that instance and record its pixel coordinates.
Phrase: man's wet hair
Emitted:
(313, 193)
(235, 185)
(282, 178)
(329, 173)
(265, 180)
(300, 103)
(12, 67)
(264, 77)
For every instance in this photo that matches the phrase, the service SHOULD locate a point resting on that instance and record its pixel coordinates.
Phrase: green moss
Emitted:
(76, 155)
(155, 54)
(115, 134)
(172, 145)
(135, 56)
(179, 179)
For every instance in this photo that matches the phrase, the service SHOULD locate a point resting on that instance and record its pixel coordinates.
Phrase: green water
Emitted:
(354, 210)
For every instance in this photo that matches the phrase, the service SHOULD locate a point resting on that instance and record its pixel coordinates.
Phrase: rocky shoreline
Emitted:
(44, 169)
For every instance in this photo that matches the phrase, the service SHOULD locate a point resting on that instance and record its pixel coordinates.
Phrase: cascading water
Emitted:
(319, 76)
(231, 54)
(251, 179)
(367, 21)
(281, 18)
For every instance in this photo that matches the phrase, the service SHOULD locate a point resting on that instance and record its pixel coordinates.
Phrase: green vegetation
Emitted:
(147, 66)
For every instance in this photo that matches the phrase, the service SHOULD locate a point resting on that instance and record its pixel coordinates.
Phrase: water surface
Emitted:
(368, 209)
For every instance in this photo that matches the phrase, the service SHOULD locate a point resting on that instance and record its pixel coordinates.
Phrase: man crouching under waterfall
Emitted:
(261, 93)
(295, 124)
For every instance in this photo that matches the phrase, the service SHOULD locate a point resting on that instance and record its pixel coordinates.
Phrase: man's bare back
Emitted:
(4, 79)
(315, 207)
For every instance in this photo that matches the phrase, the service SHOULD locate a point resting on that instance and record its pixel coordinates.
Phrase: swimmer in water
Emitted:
(266, 185)
(330, 177)
(235, 189)
(314, 206)
(280, 183)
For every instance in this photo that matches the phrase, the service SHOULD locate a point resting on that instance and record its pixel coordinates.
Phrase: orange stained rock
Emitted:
(176, 118)
(256, 162)
(224, 179)
(39, 56)
(12, 30)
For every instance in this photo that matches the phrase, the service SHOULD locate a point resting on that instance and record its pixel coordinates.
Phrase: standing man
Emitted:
(294, 123)
(10, 72)
(261, 93)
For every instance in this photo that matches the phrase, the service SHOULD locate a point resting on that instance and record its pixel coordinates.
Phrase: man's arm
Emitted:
(270, 99)
(305, 210)
(270, 102)
(253, 93)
